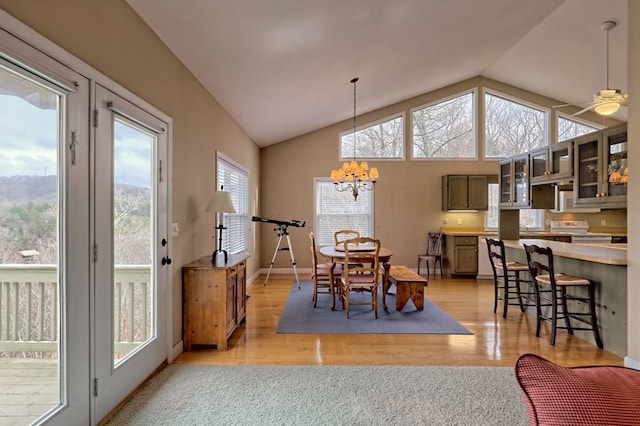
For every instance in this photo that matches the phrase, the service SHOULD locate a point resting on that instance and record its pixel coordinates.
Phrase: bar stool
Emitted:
(544, 274)
(506, 277)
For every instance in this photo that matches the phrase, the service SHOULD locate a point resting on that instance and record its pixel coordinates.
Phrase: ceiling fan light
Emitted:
(607, 108)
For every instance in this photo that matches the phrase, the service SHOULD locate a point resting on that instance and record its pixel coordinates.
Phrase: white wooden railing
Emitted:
(29, 307)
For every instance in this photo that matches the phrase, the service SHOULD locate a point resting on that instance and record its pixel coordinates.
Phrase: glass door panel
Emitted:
(539, 169)
(133, 224)
(505, 183)
(561, 161)
(588, 169)
(521, 181)
(29, 243)
(617, 165)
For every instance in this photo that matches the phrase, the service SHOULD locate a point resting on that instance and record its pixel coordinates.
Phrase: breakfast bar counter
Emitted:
(606, 264)
(610, 254)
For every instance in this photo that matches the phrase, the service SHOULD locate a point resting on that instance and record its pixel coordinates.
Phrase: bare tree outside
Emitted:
(380, 140)
(512, 128)
(132, 225)
(569, 129)
(445, 129)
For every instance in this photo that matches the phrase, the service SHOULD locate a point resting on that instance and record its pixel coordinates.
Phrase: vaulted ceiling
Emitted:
(282, 68)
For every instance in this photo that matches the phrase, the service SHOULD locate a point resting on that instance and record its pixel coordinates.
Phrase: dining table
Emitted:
(335, 254)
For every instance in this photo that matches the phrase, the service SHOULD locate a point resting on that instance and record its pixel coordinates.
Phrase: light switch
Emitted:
(176, 229)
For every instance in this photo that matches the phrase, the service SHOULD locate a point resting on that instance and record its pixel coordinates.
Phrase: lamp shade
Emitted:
(220, 203)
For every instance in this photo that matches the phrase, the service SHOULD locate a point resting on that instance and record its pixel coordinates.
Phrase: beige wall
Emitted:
(633, 284)
(407, 196)
(110, 37)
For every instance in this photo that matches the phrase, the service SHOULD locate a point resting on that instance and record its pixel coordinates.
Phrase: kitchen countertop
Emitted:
(479, 232)
(609, 254)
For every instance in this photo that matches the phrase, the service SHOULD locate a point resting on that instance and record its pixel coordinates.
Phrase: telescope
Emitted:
(296, 223)
(282, 231)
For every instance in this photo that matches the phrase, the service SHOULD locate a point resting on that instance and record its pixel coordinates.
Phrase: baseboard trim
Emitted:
(631, 363)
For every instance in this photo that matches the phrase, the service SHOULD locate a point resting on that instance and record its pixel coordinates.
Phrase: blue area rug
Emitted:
(301, 317)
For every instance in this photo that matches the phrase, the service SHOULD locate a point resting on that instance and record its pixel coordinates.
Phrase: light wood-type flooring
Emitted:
(495, 341)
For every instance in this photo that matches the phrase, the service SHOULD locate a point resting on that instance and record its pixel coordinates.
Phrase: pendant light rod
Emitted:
(606, 26)
(354, 81)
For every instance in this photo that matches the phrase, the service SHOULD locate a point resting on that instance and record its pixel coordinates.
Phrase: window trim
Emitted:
(399, 114)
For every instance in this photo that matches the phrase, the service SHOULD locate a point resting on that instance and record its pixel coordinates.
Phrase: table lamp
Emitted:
(220, 203)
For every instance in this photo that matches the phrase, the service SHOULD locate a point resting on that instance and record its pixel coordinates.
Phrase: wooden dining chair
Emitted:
(345, 234)
(433, 253)
(362, 278)
(320, 275)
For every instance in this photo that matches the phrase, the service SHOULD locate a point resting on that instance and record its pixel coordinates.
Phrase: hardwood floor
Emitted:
(496, 341)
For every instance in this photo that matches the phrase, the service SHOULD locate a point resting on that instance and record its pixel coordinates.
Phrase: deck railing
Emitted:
(29, 307)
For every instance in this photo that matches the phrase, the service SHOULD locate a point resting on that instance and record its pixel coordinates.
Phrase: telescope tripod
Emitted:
(283, 231)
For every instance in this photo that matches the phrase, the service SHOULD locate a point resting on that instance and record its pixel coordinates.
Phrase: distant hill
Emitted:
(20, 189)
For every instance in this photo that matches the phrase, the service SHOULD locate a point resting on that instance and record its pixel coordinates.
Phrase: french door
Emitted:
(130, 247)
(84, 250)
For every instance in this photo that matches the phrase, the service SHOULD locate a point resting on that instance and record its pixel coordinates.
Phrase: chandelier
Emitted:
(353, 176)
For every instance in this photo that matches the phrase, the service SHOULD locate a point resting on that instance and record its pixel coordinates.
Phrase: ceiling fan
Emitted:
(606, 101)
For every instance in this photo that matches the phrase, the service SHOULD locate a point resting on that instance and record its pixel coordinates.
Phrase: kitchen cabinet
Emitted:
(601, 169)
(552, 164)
(514, 182)
(214, 301)
(465, 192)
(516, 191)
(465, 255)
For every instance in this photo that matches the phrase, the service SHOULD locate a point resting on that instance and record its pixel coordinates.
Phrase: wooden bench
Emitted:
(409, 285)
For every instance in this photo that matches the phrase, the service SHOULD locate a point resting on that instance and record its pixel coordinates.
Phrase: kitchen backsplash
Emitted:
(606, 219)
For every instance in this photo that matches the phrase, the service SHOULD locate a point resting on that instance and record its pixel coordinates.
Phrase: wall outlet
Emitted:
(459, 221)
(444, 221)
(603, 221)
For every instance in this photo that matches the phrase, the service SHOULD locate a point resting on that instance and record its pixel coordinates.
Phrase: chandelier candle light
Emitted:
(354, 176)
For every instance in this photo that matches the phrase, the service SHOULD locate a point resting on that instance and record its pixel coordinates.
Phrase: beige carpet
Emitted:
(326, 395)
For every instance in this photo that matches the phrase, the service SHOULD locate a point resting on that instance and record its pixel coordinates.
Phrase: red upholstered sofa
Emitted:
(590, 395)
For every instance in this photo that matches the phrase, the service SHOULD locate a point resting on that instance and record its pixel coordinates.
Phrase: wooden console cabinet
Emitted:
(214, 301)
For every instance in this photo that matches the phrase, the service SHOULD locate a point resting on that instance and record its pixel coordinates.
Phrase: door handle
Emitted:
(163, 242)
(166, 261)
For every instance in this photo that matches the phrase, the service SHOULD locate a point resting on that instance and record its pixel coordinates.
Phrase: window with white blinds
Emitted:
(336, 210)
(235, 179)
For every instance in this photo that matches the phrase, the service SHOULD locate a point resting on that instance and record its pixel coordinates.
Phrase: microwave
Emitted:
(564, 204)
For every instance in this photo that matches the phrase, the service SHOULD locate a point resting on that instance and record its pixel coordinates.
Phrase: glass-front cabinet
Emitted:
(514, 182)
(601, 168)
(553, 163)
